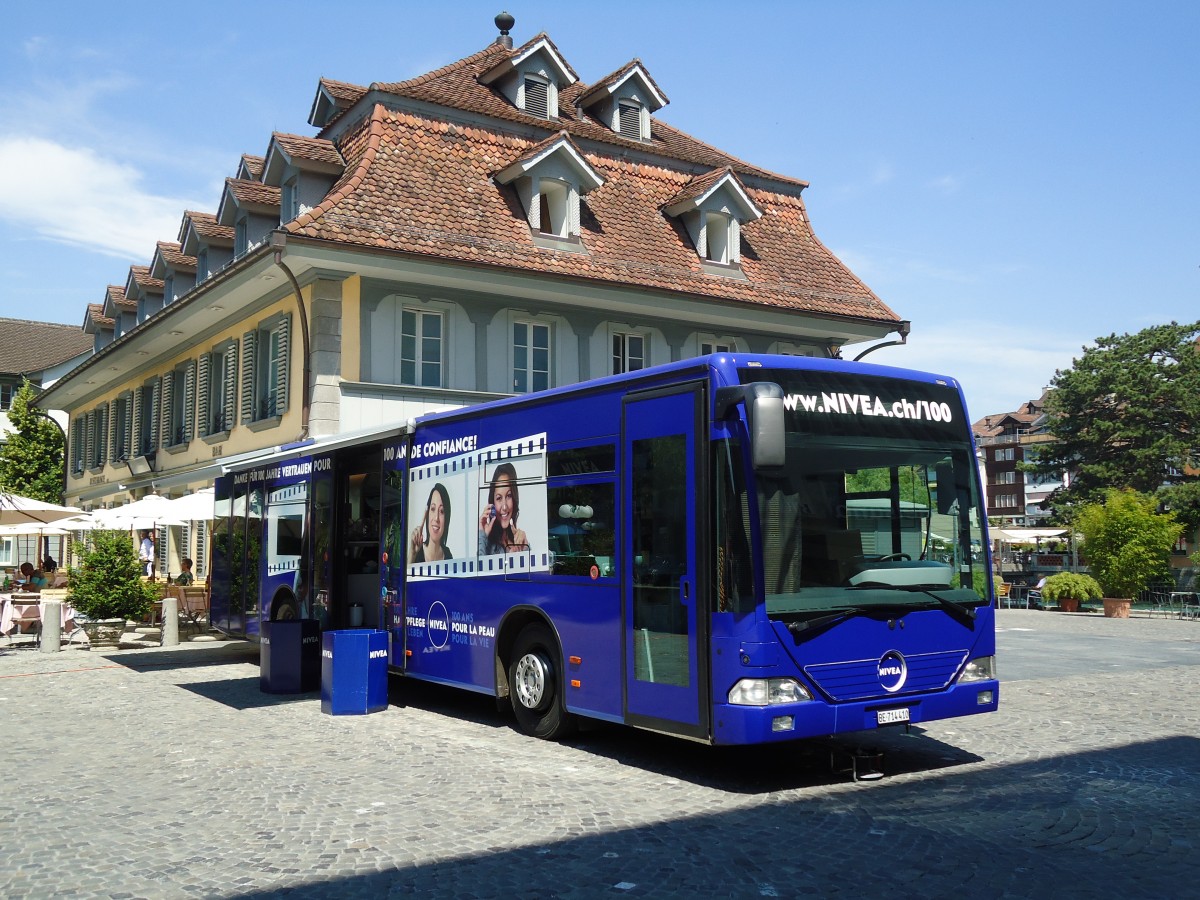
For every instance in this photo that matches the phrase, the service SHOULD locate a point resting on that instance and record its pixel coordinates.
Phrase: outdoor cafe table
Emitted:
(22, 609)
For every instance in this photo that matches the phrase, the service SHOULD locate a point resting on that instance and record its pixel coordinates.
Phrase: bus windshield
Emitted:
(876, 506)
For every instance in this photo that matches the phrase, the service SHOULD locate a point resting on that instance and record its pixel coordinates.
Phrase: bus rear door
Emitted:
(665, 666)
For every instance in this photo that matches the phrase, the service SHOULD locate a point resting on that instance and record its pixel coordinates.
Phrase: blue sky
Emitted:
(1016, 178)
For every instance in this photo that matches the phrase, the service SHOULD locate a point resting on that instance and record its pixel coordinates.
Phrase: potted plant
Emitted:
(107, 588)
(1127, 543)
(1069, 589)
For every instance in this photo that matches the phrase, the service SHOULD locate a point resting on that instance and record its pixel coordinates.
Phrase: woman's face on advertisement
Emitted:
(437, 518)
(502, 499)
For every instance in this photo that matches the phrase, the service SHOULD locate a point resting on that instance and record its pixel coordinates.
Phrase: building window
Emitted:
(77, 445)
(289, 201)
(1006, 501)
(628, 352)
(201, 264)
(265, 357)
(554, 199)
(1004, 454)
(537, 97)
(421, 348)
(716, 232)
(7, 392)
(715, 346)
(98, 439)
(121, 433)
(1006, 478)
(240, 237)
(217, 389)
(168, 289)
(146, 418)
(629, 120)
(531, 357)
(6, 552)
(180, 398)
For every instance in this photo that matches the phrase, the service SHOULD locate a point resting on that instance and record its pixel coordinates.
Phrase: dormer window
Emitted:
(713, 207)
(531, 77)
(549, 180)
(629, 119)
(537, 97)
(624, 101)
(239, 237)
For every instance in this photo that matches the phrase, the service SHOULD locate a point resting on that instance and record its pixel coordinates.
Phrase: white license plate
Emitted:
(891, 716)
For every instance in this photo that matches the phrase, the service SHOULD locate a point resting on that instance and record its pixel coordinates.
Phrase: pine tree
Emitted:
(32, 458)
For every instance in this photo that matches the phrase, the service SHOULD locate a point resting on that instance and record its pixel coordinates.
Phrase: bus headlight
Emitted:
(981, 669)
(767, 692)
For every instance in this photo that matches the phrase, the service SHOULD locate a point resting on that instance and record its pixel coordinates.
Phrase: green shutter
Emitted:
(249, 342)
(202, 422)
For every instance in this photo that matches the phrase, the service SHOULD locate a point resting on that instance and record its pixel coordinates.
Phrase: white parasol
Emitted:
(18, 510)
(147, 513)
(197, 507)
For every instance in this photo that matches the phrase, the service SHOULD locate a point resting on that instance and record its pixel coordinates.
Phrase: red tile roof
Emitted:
(27, 347)
(206, 227)
(115, 295)
(252, 193)
(315, 149)
(419, 185)
(253, 164)
(175, 258)
(457, 86)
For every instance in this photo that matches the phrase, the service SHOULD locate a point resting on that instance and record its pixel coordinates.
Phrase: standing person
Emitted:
(146, 553)
(429, 538)
(498, 531)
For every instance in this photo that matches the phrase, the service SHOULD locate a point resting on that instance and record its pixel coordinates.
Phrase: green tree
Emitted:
(32, 461)
(1127, 542)
(108, 583)
(1124, 416)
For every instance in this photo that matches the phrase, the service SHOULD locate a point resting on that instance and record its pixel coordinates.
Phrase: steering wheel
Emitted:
(893, 557)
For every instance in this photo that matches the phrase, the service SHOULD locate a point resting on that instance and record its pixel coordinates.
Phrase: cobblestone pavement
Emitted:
(167, 773)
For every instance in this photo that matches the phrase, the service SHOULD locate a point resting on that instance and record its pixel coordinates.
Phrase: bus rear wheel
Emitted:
(535, 685)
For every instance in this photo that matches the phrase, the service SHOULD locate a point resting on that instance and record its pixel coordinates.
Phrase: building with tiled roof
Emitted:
(1006, 440)
(41, 352)
(494, 226)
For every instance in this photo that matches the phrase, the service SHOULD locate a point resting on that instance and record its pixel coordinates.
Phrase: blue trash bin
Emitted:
(354, 668)
(289, 654)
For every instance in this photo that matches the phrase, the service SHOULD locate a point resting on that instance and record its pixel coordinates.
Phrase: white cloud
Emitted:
(999, 367)
(76, 196)
(947, 184)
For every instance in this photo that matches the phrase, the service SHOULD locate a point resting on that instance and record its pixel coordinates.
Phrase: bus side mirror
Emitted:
(764, 415)
(767, 431)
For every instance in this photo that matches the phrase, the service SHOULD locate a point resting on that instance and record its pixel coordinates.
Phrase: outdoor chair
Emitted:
(193, 605)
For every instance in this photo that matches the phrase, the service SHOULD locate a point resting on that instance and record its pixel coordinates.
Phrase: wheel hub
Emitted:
(532, 677)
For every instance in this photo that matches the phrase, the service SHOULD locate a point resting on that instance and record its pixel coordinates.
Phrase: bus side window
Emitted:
(734, 575)
(580, 532)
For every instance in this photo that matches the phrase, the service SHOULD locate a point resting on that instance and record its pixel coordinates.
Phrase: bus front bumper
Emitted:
(734, 724)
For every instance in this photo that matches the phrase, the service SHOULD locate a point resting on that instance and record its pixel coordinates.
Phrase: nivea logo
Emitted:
(893, 671)
(309, 640)
(378, 654)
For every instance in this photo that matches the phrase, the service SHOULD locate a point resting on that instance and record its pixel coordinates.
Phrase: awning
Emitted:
(1025, 535)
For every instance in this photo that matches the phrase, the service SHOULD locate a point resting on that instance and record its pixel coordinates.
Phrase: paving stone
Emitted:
(165, 772)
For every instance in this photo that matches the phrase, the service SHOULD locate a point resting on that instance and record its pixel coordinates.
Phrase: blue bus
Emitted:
(735, 549)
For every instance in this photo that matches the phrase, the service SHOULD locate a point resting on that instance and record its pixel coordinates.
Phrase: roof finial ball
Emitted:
(505, 23)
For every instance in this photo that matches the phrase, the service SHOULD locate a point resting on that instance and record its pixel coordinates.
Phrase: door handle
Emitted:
(685, 589)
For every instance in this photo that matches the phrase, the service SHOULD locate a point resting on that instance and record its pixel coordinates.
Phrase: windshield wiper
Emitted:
(810, 627)
(961, 612)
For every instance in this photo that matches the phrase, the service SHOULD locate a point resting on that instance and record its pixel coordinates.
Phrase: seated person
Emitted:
(185, 576)
(31, 579)
(49, 565)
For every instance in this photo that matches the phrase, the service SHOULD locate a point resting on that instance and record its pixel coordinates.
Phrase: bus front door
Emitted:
(665, 668)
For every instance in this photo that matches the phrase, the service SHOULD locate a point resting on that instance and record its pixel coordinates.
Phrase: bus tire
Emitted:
(536, 685)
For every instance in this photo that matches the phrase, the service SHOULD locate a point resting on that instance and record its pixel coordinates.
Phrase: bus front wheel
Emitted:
(535, 685)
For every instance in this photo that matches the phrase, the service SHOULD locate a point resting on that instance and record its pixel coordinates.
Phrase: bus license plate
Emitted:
(891, 716)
